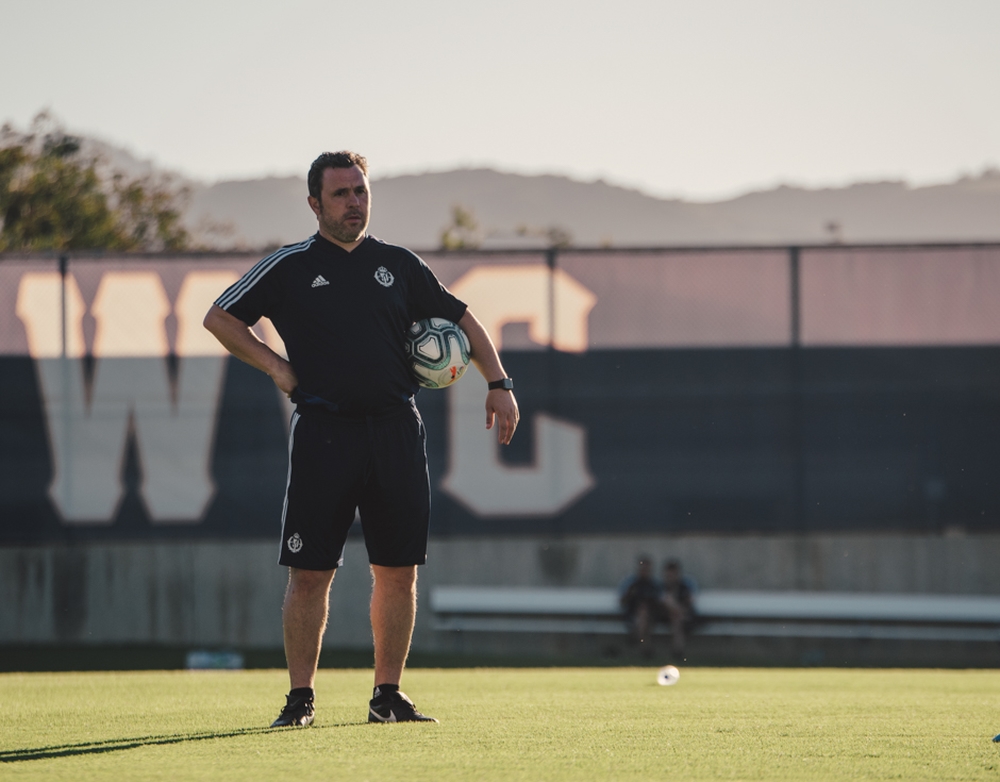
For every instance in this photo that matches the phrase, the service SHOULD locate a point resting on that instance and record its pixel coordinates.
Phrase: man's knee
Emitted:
(309, 582)
(395, 579)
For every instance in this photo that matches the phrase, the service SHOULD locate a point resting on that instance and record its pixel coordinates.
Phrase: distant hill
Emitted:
(413, 210)
(251, 213)
(515, 210)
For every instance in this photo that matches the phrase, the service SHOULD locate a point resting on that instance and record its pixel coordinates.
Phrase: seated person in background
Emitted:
(642, 601)
(678, 605)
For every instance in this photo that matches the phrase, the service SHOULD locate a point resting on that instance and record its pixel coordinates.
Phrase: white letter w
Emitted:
(88, 432)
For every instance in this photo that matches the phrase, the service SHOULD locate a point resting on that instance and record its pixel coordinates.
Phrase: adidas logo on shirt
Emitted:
(320, 280)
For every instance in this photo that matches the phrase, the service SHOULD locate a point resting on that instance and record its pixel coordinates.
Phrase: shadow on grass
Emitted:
(118, 745)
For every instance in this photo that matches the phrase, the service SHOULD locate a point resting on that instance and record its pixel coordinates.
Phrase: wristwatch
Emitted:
(507, 384)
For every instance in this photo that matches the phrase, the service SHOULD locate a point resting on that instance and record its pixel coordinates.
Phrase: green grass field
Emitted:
(507, 724)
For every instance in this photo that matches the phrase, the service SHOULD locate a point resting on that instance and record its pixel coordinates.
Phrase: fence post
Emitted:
(63, 266)
(551, 259)
(796, 396)
(64, 373)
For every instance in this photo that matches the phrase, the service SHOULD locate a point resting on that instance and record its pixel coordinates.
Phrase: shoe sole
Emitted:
(306, 724)
(375, 717)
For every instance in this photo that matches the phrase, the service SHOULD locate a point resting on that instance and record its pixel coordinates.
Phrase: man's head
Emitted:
(644, 566)
(339, 196)
(672, 571)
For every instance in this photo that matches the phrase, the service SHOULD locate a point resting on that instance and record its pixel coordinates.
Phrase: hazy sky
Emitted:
(701, 98)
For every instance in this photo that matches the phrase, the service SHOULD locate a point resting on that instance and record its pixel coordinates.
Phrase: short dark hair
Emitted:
(342, 159)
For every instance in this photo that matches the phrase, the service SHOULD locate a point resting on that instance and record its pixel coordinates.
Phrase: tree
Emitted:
(554, 236)
(54, 198)
(463, 232)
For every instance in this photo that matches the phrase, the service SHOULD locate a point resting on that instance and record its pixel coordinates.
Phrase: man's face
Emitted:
(344, 204)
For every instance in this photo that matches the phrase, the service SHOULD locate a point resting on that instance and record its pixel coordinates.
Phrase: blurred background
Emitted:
(741, 259)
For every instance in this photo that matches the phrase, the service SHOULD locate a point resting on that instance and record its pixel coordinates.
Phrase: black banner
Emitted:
(718, 391)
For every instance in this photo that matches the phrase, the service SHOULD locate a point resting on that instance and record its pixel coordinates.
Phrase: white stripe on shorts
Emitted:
(291, 443)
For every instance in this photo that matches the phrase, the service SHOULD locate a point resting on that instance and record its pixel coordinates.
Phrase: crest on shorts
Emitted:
(295, 543)
(384, 276)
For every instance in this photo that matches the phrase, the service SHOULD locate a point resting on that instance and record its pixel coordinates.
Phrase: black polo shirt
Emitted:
(343, 317)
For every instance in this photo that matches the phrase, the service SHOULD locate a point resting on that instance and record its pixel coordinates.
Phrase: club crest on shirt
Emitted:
(384, 276)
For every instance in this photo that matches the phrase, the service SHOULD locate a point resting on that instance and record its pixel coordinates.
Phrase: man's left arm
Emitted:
(501, 406)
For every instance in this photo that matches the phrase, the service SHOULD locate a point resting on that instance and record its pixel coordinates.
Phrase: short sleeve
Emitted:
(429, 298)
(253, 296)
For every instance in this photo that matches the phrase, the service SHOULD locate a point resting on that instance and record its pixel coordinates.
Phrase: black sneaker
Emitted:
(298, 711)
(394, 707)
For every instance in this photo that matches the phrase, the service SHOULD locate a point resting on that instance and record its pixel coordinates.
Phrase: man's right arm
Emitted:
(238, 339)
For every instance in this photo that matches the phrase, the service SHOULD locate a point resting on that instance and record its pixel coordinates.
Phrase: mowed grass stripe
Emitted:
(508, 724)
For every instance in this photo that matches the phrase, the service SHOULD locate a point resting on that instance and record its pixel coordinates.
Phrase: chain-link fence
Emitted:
(666, 390)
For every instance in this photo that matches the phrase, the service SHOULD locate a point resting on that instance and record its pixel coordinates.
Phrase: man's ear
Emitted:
(314, 205)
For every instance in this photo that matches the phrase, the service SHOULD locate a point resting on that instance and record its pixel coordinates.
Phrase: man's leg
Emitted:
(394, 607)
(393, 610)
(307, 603)
(641, 622)
(675, 617)
(395, 511)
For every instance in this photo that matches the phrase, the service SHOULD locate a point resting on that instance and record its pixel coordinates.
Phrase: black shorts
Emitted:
(375, 464)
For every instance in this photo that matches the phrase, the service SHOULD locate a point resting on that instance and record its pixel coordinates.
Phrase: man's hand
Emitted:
(501, 408)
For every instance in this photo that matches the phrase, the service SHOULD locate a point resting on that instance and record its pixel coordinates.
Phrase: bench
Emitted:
(724, 613)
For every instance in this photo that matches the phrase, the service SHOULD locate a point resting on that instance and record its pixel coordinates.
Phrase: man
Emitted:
(678, 600)
(342, 302)
(641, 599)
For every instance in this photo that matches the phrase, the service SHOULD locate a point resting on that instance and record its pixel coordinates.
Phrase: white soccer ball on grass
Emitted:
(667, 675)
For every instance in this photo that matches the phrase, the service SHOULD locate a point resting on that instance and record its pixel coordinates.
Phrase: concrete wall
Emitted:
(214, 594)
(162, 593)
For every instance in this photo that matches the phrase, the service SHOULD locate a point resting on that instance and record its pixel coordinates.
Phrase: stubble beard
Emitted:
(343, 232)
